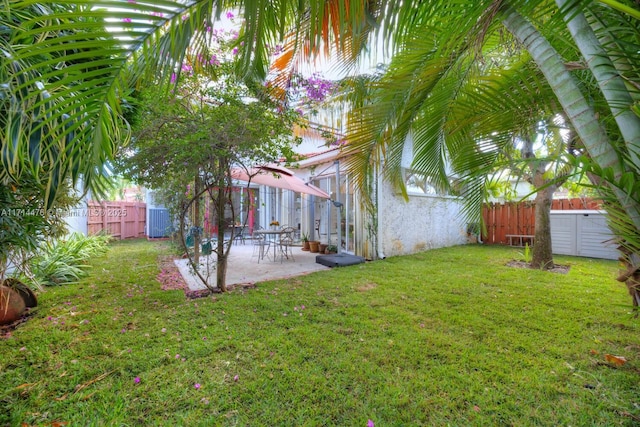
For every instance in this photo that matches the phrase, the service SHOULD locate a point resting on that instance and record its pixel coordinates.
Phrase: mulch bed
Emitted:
(169, 276)
(557, 268)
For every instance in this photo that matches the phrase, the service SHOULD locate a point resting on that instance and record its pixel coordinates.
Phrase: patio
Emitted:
(244, 268)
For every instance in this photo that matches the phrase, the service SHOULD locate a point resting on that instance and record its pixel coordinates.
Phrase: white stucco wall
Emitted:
(77, 219)
(421, 223)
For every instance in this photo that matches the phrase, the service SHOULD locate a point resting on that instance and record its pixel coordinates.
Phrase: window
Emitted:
(418, 183)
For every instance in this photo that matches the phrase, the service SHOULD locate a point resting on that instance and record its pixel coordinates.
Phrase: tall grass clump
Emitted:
(65, 261)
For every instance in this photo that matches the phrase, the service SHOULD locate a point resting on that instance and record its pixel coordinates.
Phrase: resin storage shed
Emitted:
(582, 233)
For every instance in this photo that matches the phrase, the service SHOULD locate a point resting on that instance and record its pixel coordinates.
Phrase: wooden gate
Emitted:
(122, 220)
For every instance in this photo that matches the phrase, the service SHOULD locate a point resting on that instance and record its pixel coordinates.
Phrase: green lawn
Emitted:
(445, 337)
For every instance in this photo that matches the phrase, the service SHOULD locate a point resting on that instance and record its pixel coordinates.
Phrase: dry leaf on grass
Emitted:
(615, 360)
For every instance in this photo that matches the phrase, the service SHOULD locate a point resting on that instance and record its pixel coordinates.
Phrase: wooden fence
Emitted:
(518, 218)
(122, 220)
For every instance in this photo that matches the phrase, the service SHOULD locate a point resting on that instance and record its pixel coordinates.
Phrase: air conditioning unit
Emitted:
(159, 224)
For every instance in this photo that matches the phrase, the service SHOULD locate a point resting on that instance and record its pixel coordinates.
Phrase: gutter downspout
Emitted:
(378, 184)
(339, 213)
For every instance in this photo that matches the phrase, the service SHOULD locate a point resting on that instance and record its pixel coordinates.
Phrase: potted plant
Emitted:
(314, 246)
(331, 249)
(322, 247)
(20, 226)
(305, 242)
(25, 222)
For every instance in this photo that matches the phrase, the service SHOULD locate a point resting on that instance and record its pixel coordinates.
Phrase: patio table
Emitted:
(271, 235)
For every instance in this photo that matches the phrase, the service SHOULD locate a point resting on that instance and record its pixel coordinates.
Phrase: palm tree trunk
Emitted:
(575, 105)
(578, 110)
(611, 84)
(614, 90)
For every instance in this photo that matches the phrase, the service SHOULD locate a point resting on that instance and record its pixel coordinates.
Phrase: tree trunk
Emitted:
(196, 223)
(608, 78)
(631, 275)
(221, 254)
(577, 109)
(542, 256)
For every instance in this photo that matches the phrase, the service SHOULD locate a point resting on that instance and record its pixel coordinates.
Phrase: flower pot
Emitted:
(305, 245)
(322, 247)
(25, 292)
(314, 246)
(11, 305)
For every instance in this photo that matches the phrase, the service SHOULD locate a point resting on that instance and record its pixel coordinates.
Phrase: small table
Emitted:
(271, 234)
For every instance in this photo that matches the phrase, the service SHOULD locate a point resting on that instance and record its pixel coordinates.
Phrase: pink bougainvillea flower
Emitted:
(177, 356)
(196, 386)
(235, 51)
(127, 20)
(136, 380)
(173, 80)
(230, 15)
(236, 378)
(370, 423)
(163, 330)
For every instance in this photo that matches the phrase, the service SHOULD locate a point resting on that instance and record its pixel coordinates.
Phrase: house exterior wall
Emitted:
(77, 219)
(421, 223)
(397, 226)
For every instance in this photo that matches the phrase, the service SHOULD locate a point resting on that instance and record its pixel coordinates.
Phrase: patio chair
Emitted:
(286, 243)
(261, 245)
(241, 235)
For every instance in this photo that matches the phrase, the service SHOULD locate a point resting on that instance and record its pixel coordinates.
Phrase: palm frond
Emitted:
(66, 69)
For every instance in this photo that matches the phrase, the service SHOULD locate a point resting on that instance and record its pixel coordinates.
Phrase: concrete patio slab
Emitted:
(244, 267)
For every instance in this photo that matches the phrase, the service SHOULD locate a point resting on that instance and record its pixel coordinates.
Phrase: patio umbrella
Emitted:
(279, 177)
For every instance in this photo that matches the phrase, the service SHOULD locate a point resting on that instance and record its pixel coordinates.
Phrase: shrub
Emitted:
(65, 261)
